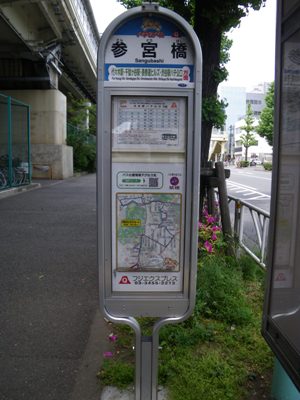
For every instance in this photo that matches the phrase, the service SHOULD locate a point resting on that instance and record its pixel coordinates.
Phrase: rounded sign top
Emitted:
(149, 48)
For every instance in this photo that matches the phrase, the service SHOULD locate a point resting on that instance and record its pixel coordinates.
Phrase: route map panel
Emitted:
(147, 220)
(148, 231)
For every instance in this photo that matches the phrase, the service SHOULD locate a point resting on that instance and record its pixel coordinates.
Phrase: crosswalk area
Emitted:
(245, 192)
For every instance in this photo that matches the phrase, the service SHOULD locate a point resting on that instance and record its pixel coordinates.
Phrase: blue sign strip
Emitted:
(149, 66)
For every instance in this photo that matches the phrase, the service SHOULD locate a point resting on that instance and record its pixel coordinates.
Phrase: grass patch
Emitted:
(117, 373)
(218, 352)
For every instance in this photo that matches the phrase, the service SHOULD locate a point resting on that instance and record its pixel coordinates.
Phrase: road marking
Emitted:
(240, 185)
(239, 173)
(246, 191)
(259, 197)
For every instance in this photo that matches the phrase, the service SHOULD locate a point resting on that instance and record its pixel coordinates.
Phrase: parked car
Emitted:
(255, 161)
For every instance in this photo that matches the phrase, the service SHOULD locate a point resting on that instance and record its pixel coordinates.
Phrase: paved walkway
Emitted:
(51, 334)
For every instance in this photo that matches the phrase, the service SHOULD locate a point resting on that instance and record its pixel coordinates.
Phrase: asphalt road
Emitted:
(252, 184)
(51, 334)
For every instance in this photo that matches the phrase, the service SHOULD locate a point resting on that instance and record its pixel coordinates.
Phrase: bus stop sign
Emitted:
(149, 108)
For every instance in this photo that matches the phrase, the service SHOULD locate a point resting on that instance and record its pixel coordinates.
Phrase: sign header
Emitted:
(149, 49)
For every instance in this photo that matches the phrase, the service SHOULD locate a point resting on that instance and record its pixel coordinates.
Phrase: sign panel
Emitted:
(149, 49)
(147, 236)
(148, 123)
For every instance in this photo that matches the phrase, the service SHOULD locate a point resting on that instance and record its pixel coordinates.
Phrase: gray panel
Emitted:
(282, 300)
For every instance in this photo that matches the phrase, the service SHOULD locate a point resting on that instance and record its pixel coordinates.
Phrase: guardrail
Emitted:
(244, 217)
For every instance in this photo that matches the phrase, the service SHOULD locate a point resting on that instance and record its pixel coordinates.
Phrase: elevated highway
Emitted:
(48, 49)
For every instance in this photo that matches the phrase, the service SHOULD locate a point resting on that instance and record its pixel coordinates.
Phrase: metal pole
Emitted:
(29, 145)
(146, 368)
(9, 126)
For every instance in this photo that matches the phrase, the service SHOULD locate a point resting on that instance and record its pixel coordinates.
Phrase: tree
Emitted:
(266, 123)
(248, 139)
(80, 113)
(211, 19)
(81, 132)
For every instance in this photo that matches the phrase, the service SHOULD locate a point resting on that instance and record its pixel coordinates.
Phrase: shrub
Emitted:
(84, 153)
(243, 164)
(267, 166)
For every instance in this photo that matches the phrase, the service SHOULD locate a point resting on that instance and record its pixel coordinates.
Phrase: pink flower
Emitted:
(216, 228)
(112, 337)
(208, 246)
(107, 354)
(210, 219)
(214, 237)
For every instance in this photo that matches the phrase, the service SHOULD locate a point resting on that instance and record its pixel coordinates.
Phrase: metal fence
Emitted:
(250, 226)
(15, 165)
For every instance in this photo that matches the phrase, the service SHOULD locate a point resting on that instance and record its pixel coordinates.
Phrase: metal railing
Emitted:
(15, 163)
(86, 21)
(250, 227)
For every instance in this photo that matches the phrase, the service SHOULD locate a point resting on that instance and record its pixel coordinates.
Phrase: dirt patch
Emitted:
(259, 386)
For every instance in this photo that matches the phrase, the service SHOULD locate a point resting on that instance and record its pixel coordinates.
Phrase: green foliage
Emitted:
(248, 139)
(213, 110)
(266, 123)
(220, 294)
(78, 111)
(250, 270)
(268, 166)
(84, 152)
(220, 73)
(204, 377)
(242, 164)
(81, 139)
(120, 372)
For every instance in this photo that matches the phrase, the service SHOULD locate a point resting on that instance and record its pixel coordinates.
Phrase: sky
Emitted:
(252, 55)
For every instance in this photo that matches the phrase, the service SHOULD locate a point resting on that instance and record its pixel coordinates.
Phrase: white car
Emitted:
(255, 161)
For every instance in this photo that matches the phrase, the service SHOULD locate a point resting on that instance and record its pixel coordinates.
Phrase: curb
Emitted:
(112, 393)
(18, 190)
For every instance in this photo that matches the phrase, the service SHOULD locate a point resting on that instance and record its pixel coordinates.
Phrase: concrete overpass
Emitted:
(48, 49)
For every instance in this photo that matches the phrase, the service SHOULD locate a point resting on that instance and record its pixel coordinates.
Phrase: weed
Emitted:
(115, 372)
(220, 293)
(207, 376)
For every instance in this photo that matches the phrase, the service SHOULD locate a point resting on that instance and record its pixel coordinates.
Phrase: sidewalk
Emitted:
(53, 338)
(51, 334)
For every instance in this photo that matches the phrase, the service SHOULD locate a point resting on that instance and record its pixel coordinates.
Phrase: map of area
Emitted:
(148, 231)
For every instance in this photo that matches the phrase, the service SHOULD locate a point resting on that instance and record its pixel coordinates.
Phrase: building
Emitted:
(256, 97)
(262, 151)
(217, 148)
(237, 99)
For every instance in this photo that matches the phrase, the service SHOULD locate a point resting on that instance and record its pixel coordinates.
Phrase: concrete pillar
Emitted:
(50, 156)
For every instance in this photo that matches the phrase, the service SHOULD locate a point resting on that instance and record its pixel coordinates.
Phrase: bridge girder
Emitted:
(42, 40)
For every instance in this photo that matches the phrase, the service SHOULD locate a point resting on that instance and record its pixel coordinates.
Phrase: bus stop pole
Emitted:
(146, 365)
